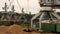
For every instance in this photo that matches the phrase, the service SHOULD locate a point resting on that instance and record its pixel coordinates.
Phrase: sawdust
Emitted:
(4, 28)
(2, 33)
(14, 29)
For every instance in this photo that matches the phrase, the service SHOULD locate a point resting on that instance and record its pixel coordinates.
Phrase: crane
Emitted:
(5, 12)
(22, 11)
(47, 6)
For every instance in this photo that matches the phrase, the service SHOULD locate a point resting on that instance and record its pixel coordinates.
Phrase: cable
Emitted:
(10, 5)
(19, 4)
(27, 6)
(11, 2)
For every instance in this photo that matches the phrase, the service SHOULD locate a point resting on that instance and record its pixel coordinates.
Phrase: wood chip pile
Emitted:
(14, 29)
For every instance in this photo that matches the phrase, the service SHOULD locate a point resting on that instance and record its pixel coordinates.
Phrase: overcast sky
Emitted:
(28, 5)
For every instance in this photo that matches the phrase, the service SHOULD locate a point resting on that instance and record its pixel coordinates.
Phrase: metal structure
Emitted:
(5, 13)
(12, 14)
(12, 9)
(22, 12)
(47, 7)
(23, 15)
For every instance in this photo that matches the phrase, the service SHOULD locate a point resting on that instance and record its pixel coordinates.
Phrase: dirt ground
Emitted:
(16, 29)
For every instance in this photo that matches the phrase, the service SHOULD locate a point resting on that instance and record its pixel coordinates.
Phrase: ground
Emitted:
(16, 29)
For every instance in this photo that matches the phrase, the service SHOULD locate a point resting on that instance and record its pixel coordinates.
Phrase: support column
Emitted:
(34, 18)
(40, 19)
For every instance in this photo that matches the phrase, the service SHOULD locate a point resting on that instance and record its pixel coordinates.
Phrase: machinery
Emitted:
(48, 18)
(23, 17)
(5, 13)
(12, 14)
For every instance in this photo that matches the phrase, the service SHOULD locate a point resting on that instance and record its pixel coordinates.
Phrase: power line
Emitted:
(19, 4)
(27, 5)
(11, 2)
